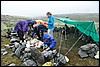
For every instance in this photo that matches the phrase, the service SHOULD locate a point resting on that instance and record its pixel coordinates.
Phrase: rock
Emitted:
(12, 64)
(13, 49)
(82, 54)
(91, 54)
(27, 50)
(4, 53)
(12, 54)
(29, 63)
(14, 40)
(37, 55)
(16, 44)
(3, 49)
(7, 47)
(18, 52)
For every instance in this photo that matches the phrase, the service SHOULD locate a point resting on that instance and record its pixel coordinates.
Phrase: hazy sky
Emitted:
(40, 8)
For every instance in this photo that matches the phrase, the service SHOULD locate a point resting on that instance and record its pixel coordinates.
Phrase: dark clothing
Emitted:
(21, 35)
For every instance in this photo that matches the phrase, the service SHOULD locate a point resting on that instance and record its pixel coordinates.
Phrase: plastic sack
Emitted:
(47, 64)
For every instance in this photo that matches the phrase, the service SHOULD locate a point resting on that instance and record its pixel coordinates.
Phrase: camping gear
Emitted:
(40, 22)
(47, 64)
(82, 26)
(67, 60)
(97, 55)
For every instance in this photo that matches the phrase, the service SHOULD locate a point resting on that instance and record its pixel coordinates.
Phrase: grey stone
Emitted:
(85, 47)
(12, 54)
(14, 40)
(17, 52)
(3, 49)
(13, 49)
(12, 64)
(27, 50)
(37, 55)
(16, 44)
(4, 53)
(92, 55)
(7, 47)
(29, 63)
(82, 54)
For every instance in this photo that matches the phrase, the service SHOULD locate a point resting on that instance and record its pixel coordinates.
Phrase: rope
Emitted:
(74, 43)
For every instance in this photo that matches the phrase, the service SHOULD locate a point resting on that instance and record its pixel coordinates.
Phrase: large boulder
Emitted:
(37, 55)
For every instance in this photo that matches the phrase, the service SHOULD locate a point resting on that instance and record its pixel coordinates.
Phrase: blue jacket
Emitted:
(50, 22)
(51, 42)
(30, 21)
(41, 27)
(21, 25)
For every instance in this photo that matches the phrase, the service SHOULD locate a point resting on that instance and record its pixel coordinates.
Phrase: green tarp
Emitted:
(86, 27)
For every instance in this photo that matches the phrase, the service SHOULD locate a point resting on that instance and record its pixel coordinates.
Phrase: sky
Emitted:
(40, 8)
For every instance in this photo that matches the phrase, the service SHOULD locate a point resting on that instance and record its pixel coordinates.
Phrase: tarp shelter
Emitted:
(86, 27)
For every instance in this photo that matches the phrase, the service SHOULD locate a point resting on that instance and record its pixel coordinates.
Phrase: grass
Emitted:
(3, 26)
(73, 56)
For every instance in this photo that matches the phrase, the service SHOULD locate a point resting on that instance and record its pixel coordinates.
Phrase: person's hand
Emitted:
(26, 33)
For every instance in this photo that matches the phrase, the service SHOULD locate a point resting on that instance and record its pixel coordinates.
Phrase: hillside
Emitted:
(8, 19)
(81, 16)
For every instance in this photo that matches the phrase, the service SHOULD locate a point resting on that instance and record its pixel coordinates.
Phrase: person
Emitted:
(47, 40)
(21, 27)
(50, 23)
(39, 30)
(30, 26)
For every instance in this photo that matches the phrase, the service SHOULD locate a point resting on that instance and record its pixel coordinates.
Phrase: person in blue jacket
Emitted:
(47, 40)
(50, 23)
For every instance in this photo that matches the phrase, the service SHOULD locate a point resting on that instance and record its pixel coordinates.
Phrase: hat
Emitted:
(32, 21)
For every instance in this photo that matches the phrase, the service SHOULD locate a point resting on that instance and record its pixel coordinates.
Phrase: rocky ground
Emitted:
(73, 56)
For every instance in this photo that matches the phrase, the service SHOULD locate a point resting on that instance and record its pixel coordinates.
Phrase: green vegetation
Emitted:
(3, 26)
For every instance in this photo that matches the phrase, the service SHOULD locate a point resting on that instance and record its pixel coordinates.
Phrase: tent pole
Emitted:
(74, 43)
(60, 43)
(74, 33)
(65, 36)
